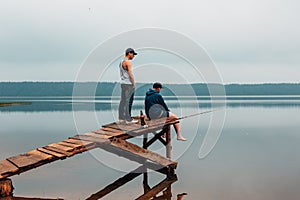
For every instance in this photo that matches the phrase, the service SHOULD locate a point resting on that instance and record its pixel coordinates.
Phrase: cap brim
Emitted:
(134, 53)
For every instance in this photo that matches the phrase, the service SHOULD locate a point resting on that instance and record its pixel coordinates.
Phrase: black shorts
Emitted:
(163, 114)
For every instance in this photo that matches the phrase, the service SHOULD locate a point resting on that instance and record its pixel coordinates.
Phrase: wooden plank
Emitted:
(101, 131)
(112, 126)
(110, 134)
(113, 130)
(53, 153)
(30, 158)
(74, 146)
(142, 131)
(122, 127)
(158, 188)
(123, 148)
(153, 125)
(157, 124)
(39, 155)
(97, 135)
(115, 123)
(105, 125)
(50, 148)
(7, 167)
(69, 154)
(91, 139)
(64, 148)
(75, 141)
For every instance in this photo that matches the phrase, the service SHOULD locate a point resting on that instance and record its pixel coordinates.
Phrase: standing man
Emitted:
(127, 87)
(156, 108)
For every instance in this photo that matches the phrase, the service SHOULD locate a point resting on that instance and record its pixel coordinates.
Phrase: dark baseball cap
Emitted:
(157, 85)
(130, 50)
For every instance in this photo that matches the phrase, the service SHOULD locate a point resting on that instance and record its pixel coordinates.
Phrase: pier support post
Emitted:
(145, 182)
(169, 193)
(6, 188)
(145, 140)
(168, 140)
(171, 171)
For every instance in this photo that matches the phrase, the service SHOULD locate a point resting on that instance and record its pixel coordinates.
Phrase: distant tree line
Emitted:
(113, 89)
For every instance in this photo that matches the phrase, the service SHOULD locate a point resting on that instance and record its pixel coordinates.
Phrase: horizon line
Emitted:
(232, 83)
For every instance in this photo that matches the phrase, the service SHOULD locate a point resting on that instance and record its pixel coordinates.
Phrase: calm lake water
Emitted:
(256, 156)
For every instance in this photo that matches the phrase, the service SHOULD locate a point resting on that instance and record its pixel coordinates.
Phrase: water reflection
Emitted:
(162, 190)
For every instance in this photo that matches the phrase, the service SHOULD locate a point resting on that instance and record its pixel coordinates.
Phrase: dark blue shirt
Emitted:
(154, 104)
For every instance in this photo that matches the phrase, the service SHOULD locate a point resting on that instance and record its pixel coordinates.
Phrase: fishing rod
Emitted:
(169, 121)
(196, 114)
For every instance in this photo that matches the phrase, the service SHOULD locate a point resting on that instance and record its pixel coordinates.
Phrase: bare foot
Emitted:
(181, 138)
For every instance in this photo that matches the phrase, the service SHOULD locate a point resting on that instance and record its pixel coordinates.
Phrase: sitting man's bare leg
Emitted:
(172, 116)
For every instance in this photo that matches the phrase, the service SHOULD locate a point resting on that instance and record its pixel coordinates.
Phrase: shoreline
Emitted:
(4, 104)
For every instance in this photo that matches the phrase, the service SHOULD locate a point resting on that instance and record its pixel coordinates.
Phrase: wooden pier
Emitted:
(112, 138)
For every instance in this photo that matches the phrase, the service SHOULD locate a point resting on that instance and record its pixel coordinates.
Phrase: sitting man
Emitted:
(156, 108)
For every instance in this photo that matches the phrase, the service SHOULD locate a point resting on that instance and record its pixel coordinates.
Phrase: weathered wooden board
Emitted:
(123, 148)
(122, 127)
(97, 135)
(91, 139)
(74, 146)
(64, 148)
(7, 167)
(113, 130)
(30, 158)
(104, 132)
(153, 125)
(108, 133)
(50, 148)
(53, 153)
(142, 131)
(80, 142)
(108, 124)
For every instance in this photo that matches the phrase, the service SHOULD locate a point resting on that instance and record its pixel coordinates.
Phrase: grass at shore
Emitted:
(2, 104)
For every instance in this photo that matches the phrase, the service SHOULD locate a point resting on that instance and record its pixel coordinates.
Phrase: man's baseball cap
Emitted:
(157, 85)
(130, 50)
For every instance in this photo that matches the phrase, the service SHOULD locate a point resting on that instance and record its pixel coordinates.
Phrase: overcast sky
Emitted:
(250, 41)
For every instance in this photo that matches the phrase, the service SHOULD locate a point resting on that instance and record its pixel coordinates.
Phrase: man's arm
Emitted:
(130, 73)
(162, 102)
